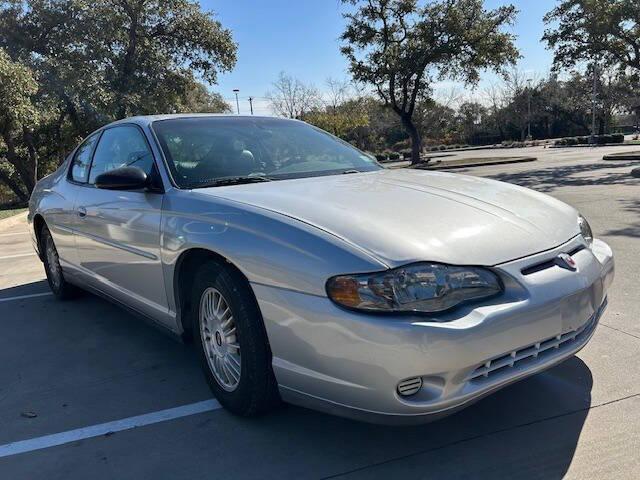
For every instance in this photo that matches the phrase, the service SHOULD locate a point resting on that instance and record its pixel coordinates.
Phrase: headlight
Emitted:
(585, 230)
(419, 287)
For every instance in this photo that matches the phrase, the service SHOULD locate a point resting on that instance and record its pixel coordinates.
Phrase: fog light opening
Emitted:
(410, 386)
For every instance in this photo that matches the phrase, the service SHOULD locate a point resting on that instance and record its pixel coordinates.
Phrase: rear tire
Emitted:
(231, 341)
(55, 276)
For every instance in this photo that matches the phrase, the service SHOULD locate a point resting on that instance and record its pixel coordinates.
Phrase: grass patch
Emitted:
(10, 212)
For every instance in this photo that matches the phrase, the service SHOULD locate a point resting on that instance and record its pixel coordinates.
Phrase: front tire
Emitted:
(231, 341)
(55, 276)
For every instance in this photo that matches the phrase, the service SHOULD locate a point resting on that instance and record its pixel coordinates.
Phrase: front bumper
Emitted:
(350, 364)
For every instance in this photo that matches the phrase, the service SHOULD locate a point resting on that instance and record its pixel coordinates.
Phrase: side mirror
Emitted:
(123, 178)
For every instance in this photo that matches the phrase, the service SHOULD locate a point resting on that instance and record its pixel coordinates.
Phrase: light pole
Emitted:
(251, 104)
(235, 90)
(594, 97)
(529, 109)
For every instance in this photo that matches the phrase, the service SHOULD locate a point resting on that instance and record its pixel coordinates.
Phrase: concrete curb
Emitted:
(588, 145)
(621, 157)
(455, 165)
(424, 157)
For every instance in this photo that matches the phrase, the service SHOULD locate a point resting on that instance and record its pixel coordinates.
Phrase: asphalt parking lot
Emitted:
(89, 391)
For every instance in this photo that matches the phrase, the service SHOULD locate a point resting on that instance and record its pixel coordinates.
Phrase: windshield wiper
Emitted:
(236, 180)
(351, 170)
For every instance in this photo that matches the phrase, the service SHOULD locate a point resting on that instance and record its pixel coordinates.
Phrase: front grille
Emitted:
(538, 267)
(536, 352)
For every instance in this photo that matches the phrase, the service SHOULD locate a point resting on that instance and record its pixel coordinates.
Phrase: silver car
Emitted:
(303, 271)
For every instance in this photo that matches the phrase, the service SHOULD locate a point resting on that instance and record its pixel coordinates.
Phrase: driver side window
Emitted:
(121, 147)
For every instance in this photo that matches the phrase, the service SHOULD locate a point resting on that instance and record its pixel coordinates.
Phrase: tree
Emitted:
(561, 108)
(519, 90)
(585, 30)
(338, 92)
(200, 100)
(579, 33)
(337, 110)
(340, 119)
(18, 117)
(100, 60)
(402, 46)
(496, 99)
(470, 116)
(291, 98)
(625, 30)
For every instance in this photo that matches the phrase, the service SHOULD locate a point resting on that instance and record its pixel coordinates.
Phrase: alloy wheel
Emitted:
(219, 339)
(53, 263)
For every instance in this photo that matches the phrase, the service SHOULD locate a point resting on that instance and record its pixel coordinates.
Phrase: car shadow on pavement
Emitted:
(528, 430)
(631, 230)
(25, 289)
(106, 365)
(548, 179)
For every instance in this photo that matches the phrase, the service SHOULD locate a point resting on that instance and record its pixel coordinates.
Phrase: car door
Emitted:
(118, 232)
(60, 214)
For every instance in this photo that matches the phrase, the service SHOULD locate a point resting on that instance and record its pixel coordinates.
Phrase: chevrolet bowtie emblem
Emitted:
(565, 261)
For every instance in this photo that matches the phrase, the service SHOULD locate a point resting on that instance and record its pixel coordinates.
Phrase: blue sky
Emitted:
(300, 37)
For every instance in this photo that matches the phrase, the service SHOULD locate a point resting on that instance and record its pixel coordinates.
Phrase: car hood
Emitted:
(402, 216)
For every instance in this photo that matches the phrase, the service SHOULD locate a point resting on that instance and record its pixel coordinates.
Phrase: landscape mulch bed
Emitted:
(471, 162)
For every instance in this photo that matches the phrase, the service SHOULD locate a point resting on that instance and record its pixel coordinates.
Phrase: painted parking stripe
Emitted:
(22, 297)
(10, 234)
(18, 256)
(56, 439)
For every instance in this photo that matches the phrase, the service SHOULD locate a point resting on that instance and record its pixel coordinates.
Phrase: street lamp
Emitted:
(529, 109)
(235, 90)
(594, 99)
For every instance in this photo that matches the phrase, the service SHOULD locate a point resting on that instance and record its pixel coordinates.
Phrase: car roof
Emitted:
(148, 119)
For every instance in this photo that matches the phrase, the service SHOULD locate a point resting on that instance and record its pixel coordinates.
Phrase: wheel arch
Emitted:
(183, 277)
(38, 223)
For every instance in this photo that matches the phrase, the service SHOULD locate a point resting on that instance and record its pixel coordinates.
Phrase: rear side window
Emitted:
(121, 147)
(82, 160)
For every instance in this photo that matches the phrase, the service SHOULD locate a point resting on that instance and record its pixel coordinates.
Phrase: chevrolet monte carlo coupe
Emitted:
(305, 272)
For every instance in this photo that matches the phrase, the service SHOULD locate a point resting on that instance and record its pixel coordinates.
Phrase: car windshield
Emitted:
(208, 151)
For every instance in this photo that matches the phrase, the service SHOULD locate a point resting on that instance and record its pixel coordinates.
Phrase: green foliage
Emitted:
(588, 30)
(599, 139)
(100, 60)
(18, 118)
(197, 99)
(17, 87)
(559, 108)
(401, 46)
(341, 120)
(10, 212)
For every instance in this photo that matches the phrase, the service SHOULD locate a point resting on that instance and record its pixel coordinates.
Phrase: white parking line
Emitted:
(18, 255)
(10, 234)
(56, 439)
(22, 297)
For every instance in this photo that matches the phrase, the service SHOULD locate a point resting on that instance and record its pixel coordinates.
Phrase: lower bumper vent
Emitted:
(535, 352)
(410, 386)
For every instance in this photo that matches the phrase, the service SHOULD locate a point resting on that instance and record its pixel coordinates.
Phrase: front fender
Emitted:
(268, 248)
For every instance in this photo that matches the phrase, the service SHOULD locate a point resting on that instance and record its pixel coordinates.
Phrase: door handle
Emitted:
(82, 212)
